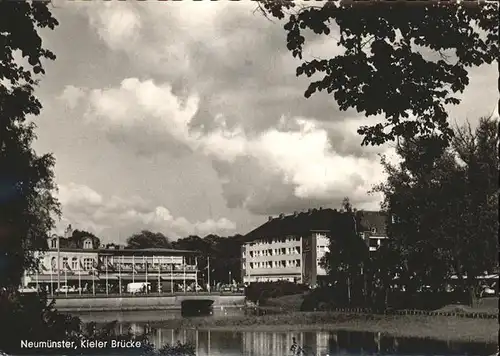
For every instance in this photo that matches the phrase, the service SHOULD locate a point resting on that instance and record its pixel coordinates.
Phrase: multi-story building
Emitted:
(91, 268)
(290, 247)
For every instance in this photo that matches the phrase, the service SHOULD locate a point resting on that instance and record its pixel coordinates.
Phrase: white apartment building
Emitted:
(280, 258)
(291, 247)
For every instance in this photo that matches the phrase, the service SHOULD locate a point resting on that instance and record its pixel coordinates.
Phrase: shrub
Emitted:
(260, 291)
(32, 318)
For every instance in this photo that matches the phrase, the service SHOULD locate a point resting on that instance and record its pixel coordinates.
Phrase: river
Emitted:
(258, 343)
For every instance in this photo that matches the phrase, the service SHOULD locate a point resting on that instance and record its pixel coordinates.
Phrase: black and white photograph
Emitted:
(252, 177)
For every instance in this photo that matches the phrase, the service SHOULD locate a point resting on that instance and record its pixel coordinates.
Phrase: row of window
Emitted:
(276, 264)
(86, 264)
(87, 244)
(275, 241)
(281, 251)
(275, 252)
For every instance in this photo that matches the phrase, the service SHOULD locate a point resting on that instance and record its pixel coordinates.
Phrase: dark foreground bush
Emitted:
(323, 298)
(329, 298)
(32, 318)
(260, 291)
(426, 300)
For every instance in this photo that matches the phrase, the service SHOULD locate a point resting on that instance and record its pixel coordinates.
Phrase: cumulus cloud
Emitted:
(71, 96)
(225, 88)
(298, 153)
(87, 209)
(219, 50)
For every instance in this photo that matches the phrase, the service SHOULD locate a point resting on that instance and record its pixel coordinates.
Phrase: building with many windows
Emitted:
(86, 267)
(290, 247)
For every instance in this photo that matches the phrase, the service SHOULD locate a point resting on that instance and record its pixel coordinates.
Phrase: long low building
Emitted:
(290, 247)
(89, 268)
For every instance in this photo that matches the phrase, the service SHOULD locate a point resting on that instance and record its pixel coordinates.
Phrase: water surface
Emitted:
(257, 343)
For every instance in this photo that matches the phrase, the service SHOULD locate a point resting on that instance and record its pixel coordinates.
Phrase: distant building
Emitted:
(82, 263)
(290, 247)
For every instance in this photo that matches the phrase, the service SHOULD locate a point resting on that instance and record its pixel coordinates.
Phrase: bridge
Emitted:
(152, 301)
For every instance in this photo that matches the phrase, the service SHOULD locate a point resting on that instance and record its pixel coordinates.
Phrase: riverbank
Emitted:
(435, 327)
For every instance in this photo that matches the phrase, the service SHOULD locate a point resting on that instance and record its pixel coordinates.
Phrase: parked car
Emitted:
(66, 289)
(138, 287)
(27, 290)
(488, 291)
(226, 289)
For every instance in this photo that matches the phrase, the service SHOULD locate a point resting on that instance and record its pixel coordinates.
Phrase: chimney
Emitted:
(282, 216)
(295, 213)
(269, 218)
(309, 211)
(320, 208)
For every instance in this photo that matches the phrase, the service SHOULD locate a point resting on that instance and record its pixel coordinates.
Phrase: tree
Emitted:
(224, 254)
(443, 203)
(148, 239)
(382, 69)
(346, 256)
(27, 204)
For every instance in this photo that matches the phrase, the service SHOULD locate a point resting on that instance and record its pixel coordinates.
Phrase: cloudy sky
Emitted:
(187, 118)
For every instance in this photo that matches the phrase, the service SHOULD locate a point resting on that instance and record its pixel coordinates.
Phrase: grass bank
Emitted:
(436, 327)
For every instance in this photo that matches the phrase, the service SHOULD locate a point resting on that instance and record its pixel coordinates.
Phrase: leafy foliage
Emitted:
(347, 253)
(224, 254)
(444, 204)
(261, 291)
(148, 239)
(406, 62)
(178, 349)
(27, 204)
(31, 317)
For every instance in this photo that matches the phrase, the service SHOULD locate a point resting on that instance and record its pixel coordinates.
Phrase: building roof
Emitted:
(149, 251)
(144, 251)
(370, 220)
(75, 243)
(313, 220)
(294, 224)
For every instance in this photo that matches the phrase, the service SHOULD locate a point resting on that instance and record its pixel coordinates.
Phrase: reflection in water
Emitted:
(227, 343)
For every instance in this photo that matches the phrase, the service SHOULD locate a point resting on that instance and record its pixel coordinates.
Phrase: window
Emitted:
(374, 243)
(374, 230)
(87, 244)
(297, 263)
(65, 263)
(53, 243)
(74, 263)
(88, 263)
